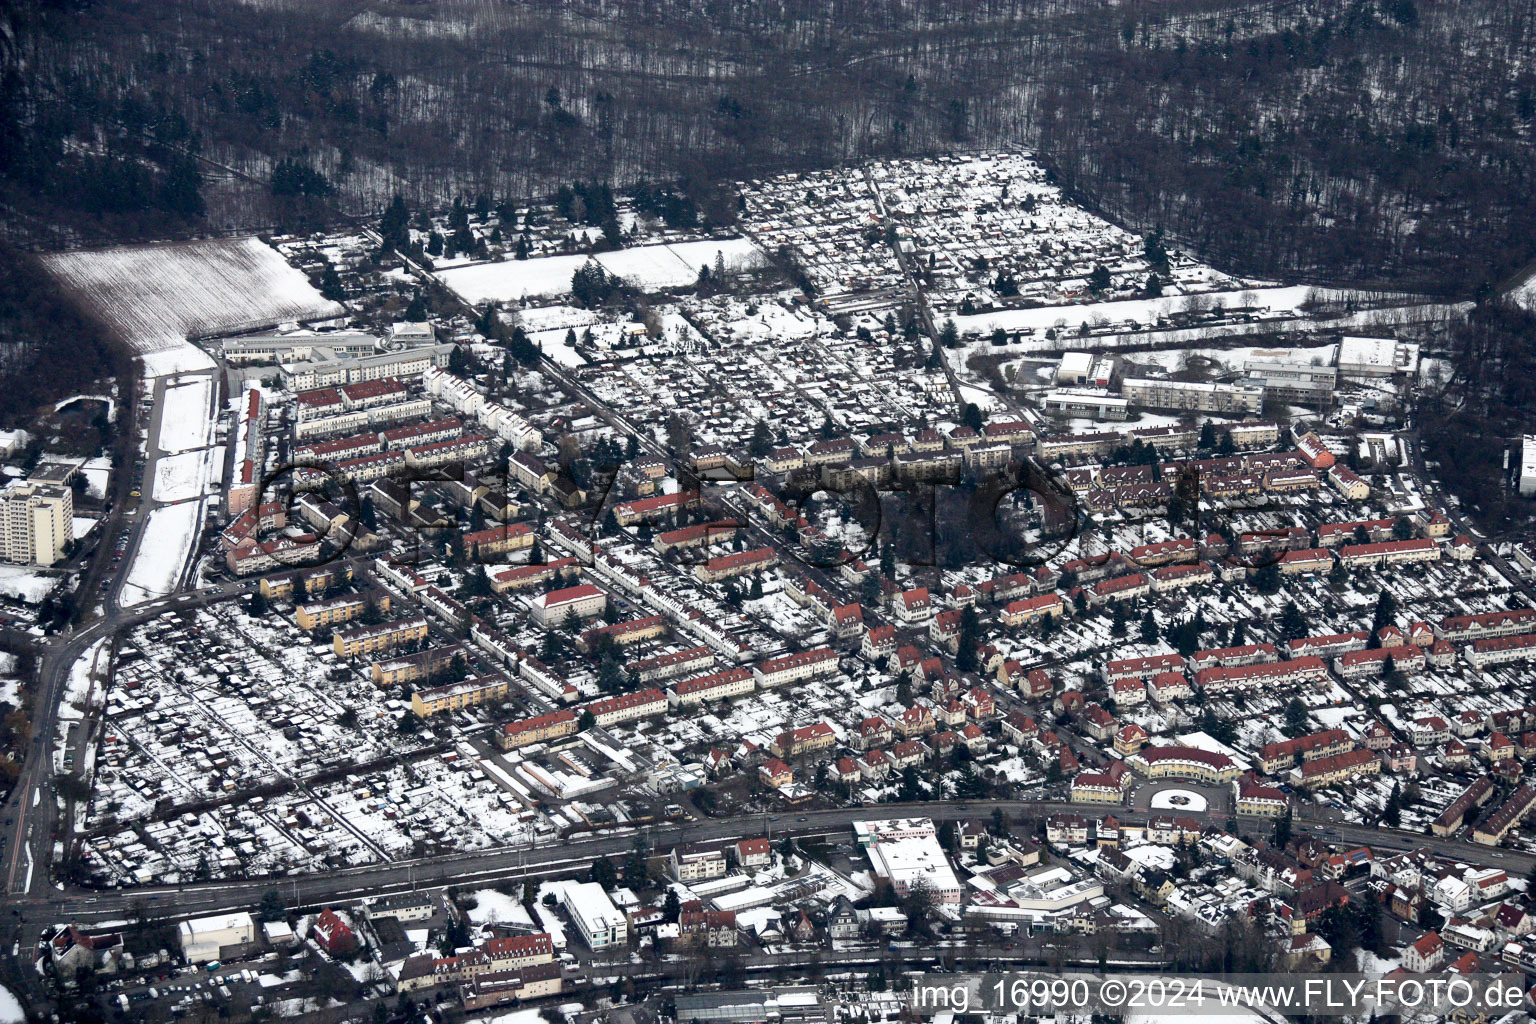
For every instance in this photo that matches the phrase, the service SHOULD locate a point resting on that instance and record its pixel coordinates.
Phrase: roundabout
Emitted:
(1177, 800)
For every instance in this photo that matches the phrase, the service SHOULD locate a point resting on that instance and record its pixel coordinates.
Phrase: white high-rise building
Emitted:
(36, 522)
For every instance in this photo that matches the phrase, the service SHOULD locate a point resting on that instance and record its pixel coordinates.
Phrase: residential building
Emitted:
(38, 522)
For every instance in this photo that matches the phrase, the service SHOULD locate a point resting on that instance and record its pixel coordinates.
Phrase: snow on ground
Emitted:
(10, 1008)
(179, 477)
(1151, 855)
(83, 525)
(1143, 311)
(492, 907)
(1163, 800)
(25, 583)
(156, 296)
(162, 554)
(529, 1016)
(185, 359)
(88, 668)
(96, 472)
(648, 267)
(186, 415)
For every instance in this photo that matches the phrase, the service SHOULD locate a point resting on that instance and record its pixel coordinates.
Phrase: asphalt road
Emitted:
(489, 866)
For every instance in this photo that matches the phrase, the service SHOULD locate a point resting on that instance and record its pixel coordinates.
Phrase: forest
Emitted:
(1370, 141)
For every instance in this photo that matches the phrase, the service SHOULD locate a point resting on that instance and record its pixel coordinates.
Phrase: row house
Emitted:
(624, 634)
(919, 466)
(1285, 754)
(627, 707)
(630, 513)
(318, 614)
(364, 640)
(1330, 646)
(365, 394)
(1245, 654)
(524, 576)
(1391, 552)
(481, 545)
(350, 447)
(330, 426)
(1481, 654)
(1307, 560)
(538, 729)
(1143, 668)
(1462, 628)
(790, 668)
(1178, 577)
(725, 685)
(1099, 787)
(1331, 535)
(1337, 768)
(1022, 612)
(805, 740)
(368, 468)
(1184, 763)
(1121, 588)
(442, 453)
(421, 433)
(1373, 662)
(737, 563)
(317, 403)
(446, 608)
(701, 535)
(1290, 481)
(1295, 672)
(1491, 829)
(463, 694)
(1254, 799)
(415, 668)
(1182, 549)
(673, 664)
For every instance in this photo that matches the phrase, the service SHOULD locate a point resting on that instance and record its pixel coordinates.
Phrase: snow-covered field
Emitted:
(1286, 300)
(156, 296)
(179, 477)
(186, 415)
(25, 583)
(163, 550)
(647, 267)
